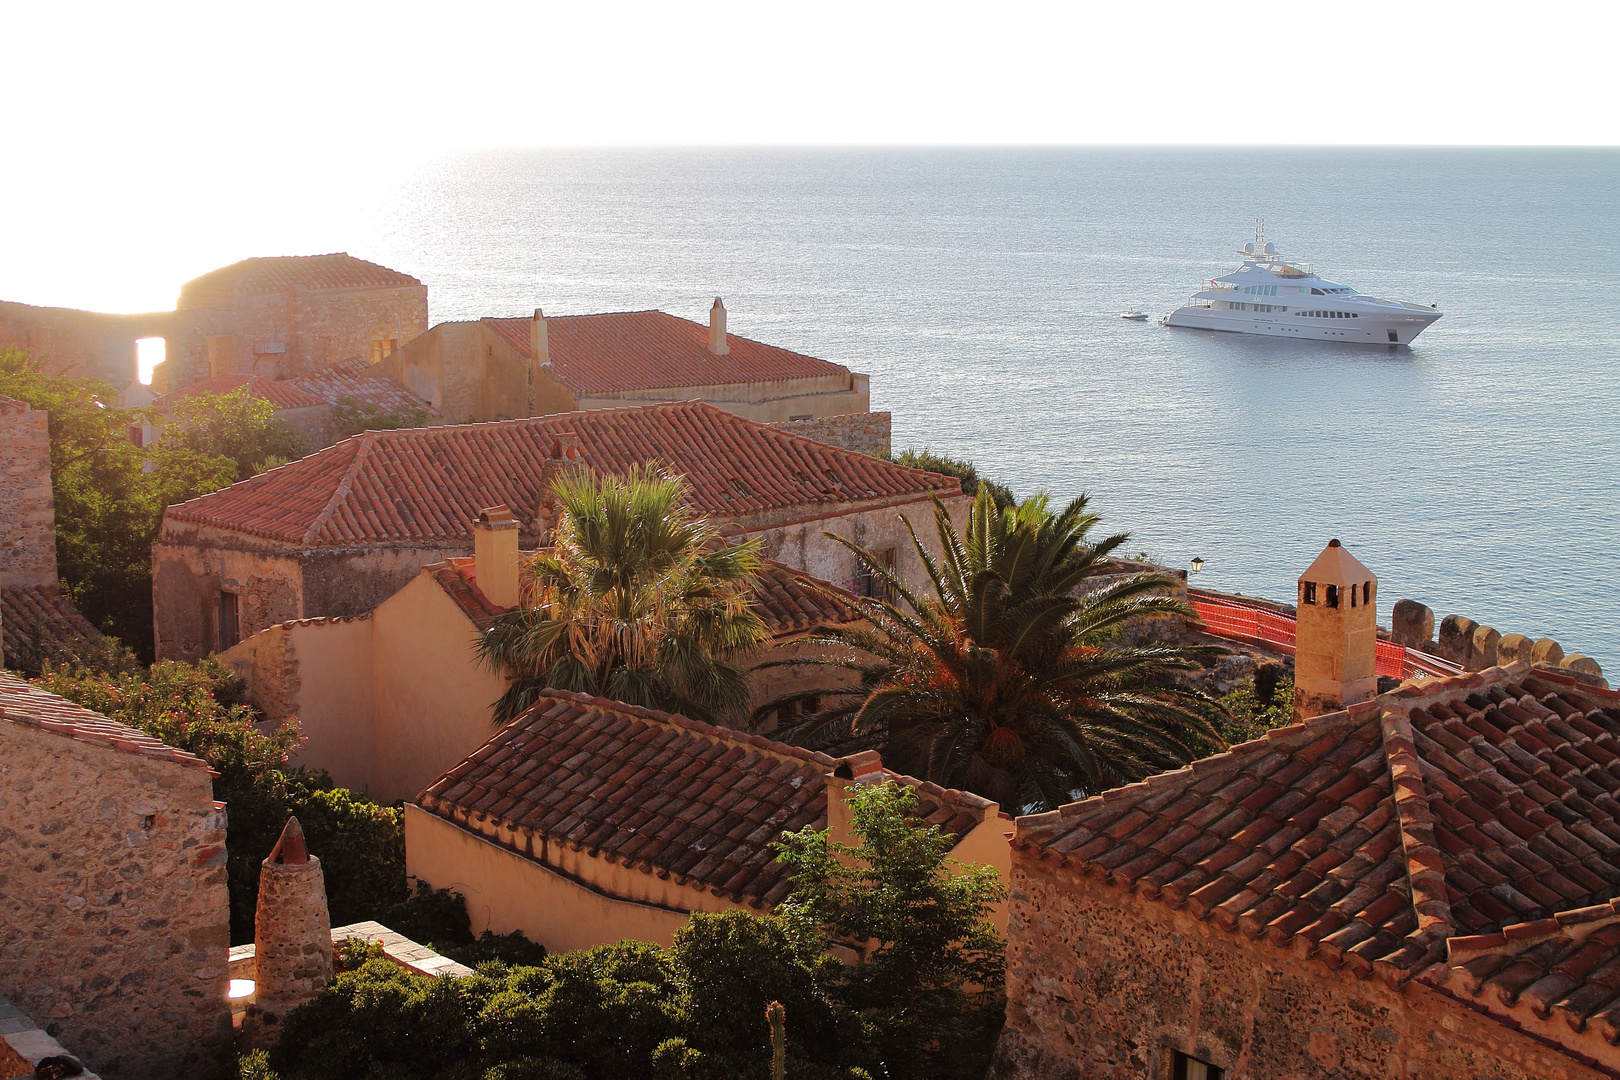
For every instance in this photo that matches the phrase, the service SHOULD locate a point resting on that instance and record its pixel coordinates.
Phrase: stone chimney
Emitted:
(1336, 638)
(495, 555)
(717, 329)
(292, 935)
(564, 451)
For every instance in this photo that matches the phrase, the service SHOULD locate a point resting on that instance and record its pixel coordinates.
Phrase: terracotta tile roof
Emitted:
(1368, 837)
(38, 624)
(280, 273)
(789, 601)
(640, 350)
(657, 792)
(283, 395)
(426, 484)
(28, 706)
(353, 378)
(1557, 979)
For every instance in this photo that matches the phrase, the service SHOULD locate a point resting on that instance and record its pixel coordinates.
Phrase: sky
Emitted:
(123, 118)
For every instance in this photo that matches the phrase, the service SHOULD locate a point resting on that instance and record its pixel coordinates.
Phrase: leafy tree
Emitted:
(639, 600)
(237, 426)
(1010, 679)
(929, 991)
(351, 415)
(966, 471)
(1256, 707)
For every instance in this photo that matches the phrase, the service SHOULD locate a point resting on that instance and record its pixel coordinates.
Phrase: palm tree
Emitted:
(639, 600)
(1008, 679)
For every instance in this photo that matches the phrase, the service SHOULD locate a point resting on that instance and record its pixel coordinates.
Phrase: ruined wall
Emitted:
(862, 432)
(1105, 985)
(114, 922)
(27, 520)
(803, 545)
(82, 344)
(192, 564)
(287, 334)
(769, 683)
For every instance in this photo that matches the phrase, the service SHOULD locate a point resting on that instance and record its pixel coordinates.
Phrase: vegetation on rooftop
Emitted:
(926, 1004)
(639, 599)
(1010, 676)
(966, 471)
(351, 415)
(110, 494)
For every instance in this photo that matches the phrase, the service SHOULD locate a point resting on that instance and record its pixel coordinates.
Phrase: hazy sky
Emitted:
(122, 117)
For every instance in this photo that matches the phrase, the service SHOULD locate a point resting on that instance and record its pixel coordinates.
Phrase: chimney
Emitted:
(865, 767)
(539, 347)
(292, 935)
(548, 509)
(1336, 637)
(495, 555)
(717, 329)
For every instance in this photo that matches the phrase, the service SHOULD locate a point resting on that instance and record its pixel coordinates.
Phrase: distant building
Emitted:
(306, 402)
(587, 821)
(277, 318)
(37, 623)
(114, 920)
(1418, 883)
(495, 369)
(390, 699)
(340, 531)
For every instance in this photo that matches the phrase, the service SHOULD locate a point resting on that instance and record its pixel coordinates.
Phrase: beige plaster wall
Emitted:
(472, 374)
(1104, 985)
(27, 515)
(561, 908)
(767, 401)
(431, 696)
(114, 921)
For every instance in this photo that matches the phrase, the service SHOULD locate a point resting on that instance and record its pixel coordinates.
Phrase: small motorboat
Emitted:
(1134, 316)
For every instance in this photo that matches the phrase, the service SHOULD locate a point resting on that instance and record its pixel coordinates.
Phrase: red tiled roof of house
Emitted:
(790, 602)
(280, 273)
(427, 484)
(1557, 979)
(1368, 837)
(658, 792)
(354, 378)
(28, 706)
(38, 624)
(643, 350)
(283, 395)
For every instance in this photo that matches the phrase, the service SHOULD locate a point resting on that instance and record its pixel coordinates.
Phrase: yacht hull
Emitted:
(1369, 329)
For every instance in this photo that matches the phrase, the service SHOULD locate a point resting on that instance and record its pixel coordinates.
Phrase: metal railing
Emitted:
(1262, 625)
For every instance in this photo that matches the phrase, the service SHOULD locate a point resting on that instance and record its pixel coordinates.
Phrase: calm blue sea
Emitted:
(1475, 472)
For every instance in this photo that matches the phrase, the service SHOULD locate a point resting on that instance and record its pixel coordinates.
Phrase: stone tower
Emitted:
(292, 935)
(1336, 640)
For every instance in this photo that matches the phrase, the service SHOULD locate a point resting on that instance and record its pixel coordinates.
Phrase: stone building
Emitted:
(389, 700)
(277, 317)
(114, 921)
(337, 533)
(306, 403)
(586, 821)
(494, 369)
(37, 622)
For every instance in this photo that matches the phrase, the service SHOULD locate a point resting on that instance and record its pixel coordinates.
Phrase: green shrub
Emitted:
(964, 471)
(350, 416)
(1261, 703)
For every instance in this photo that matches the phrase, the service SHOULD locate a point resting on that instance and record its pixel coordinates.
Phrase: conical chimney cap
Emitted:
(1336, 566)
(290, 849)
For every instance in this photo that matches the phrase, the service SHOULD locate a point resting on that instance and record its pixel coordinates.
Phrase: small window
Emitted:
(230, 626)
(381, 347)
(800, 416)
(1307, 592)
(1353, 591)
(1333, 596)
(1190, 1068)
(868, 583)
(1393, 337)
(1366, 593)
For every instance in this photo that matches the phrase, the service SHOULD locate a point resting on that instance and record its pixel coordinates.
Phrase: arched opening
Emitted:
(149, 353)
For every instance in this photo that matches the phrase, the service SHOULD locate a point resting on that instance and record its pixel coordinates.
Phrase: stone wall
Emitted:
(114, 922)
(804, 545)
(1106, 985)
(864, 433)
(27, 521)
(1474, 646)
(83, 344)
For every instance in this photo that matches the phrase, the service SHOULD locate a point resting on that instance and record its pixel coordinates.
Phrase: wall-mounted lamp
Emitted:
(1197, 564)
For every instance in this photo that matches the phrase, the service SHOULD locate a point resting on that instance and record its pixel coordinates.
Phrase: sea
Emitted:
(981, 289)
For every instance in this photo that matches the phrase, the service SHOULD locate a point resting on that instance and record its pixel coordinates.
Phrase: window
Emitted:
(1333, 596)
(800, 416)
(1190, 1068)
(1307, 592)
(1394, 337)
(1366, 593)
(1353, 596)
(869, 584)
(230, 626)
(381, 347)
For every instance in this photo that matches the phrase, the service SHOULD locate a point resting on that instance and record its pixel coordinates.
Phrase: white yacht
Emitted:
(1281, 297)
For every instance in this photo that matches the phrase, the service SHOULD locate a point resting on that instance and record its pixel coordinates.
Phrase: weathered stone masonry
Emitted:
(27, 522)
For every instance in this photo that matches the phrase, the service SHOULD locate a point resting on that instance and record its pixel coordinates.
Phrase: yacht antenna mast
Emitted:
(1259, 236)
